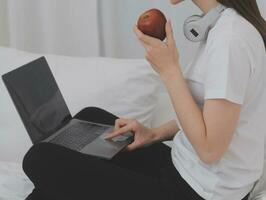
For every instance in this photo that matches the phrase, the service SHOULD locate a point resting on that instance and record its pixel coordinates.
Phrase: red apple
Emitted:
(152, 23)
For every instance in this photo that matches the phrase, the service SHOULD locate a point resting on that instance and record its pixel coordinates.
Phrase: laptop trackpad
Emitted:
(107, 149)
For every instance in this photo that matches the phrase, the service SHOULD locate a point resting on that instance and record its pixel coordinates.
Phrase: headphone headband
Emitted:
(196, 27)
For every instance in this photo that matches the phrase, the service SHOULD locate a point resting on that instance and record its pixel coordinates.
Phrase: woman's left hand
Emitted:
(163, 56)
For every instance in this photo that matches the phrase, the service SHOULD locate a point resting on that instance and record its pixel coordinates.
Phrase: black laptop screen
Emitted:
(37, 98)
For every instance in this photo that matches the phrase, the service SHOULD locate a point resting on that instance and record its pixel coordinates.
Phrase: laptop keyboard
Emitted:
(79, 135)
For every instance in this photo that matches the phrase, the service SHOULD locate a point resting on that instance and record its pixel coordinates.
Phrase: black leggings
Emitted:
(59, 173)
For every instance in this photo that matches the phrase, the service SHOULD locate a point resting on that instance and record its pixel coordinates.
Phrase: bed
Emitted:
(149, 103)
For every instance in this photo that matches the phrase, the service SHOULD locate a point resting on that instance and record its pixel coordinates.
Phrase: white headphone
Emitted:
(196, 27)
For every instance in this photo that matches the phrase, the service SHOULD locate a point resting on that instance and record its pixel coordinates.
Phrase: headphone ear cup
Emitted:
(193, 29)
(193, 18)
(196, 27)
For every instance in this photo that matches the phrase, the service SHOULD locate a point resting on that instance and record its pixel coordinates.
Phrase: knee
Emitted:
(90, 111)
(98, 115)
(36, 157)
(85, 112)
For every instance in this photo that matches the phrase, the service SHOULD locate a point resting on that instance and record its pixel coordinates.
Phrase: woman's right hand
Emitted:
(143, 136)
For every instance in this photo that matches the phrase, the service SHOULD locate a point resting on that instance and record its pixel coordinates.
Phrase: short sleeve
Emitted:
(228, 69)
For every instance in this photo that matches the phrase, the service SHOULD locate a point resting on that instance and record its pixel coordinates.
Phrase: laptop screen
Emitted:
(37, 98)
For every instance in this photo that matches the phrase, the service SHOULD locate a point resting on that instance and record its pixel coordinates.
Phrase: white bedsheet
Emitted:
(14, 184)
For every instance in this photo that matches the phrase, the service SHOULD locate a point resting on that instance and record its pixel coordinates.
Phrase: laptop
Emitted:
(46, 117)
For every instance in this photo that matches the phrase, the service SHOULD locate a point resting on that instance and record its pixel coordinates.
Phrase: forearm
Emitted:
(166, 131)
(189, 114)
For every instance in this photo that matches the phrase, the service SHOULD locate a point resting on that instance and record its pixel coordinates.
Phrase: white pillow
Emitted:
(164, 111)
(127, 88)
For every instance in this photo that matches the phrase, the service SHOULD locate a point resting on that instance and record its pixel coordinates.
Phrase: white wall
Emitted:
(67, 27)
(4, 39)
(63, 26)
(262, 6)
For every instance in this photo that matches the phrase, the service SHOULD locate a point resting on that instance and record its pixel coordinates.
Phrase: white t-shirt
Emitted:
(230, 65)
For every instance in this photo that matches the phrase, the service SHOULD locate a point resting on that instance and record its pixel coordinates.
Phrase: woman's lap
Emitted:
(146, 173)
(59, 171)
(67, 174)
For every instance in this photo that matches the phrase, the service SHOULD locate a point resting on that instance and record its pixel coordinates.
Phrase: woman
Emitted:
(218, 144)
